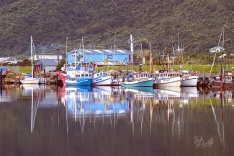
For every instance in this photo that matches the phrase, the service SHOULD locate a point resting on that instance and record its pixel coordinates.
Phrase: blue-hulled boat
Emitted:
(79, 78)
(138, 80)
(74, 77)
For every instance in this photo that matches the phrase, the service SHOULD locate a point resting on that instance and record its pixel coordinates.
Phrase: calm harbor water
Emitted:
(50, 120)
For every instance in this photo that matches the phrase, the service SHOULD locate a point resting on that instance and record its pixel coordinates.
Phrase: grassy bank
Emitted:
(25, 69)
(191, 67)
(200, 68)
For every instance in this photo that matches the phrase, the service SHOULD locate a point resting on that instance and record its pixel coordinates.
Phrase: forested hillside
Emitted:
(104, 23)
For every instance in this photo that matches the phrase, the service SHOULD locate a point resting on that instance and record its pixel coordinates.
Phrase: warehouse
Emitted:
(99, 56)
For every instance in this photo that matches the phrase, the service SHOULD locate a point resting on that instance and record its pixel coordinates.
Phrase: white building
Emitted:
(48, 56)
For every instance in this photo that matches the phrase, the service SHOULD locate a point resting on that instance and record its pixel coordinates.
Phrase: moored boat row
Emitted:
(128, 79)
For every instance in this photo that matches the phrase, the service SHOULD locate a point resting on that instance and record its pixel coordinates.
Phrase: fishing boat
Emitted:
(74, 74)
(138, 80)
(102, 78)
(29, 79)
(166, 79)
(133, 79)
(74, 77)
(225, 79)
(188, 79)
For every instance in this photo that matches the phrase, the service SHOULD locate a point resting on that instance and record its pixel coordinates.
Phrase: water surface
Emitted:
(50, 120)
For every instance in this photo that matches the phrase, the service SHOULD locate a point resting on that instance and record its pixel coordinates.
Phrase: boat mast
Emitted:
(82, 45)
(75, 58)
(114, 51)
(31, 54)
(150, 58)
(131, 46)
(222, 66)
(173, 49)
(178, 43)
(222, 48)
(66, 53)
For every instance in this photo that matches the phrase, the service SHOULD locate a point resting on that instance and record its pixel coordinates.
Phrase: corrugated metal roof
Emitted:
(49, 62)
(101, 51)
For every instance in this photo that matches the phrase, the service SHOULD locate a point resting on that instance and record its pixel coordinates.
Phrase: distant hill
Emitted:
(105, 23)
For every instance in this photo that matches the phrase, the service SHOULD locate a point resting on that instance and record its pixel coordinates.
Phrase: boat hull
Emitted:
(104, 81)
(63, 77)
(79, 82)
(139, 83)
(191, 81)
(217, 84)
(30, 81)
(169, 82)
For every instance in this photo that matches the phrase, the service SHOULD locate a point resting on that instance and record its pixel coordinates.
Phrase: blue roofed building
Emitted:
(99, 56)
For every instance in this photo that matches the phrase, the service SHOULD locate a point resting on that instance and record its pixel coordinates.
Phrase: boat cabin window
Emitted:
(82, 75)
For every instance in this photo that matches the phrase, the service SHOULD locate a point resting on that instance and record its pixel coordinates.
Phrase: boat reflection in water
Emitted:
(182, 94)
(85, 102)
(165, 118)
(167, 108)
(94, 103)
(41, 96)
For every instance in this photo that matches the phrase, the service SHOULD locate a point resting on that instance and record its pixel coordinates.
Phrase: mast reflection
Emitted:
(84, 103)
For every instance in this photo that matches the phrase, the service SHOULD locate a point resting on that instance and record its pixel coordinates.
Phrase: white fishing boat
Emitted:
(166, 79)
(30, 79)
(188, 79)
(102, 78)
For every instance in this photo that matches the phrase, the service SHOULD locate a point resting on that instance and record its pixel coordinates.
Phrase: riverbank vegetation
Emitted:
(200, 63)
(108, 24)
